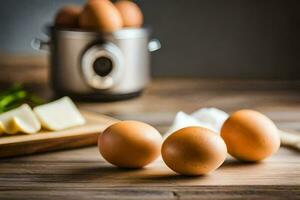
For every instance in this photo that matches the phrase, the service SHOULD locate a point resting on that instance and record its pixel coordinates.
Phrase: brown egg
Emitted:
(250, 135)
(130, 144)
(100, 15)
(132, 15)
(68, 17)
(194, 151)
(87, 20)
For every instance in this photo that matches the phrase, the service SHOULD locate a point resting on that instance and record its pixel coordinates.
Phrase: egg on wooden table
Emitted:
(131, 14)
(130, 144)
(100, 15)
(68, 16)
(194, 151)
(250, 135)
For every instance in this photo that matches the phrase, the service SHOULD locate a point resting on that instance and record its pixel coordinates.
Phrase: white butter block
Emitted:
(183, 120)
(211, 118)
(21, 119)
(60, 114)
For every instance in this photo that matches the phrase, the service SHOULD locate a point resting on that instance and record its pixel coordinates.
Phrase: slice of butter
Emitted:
(58, 115)
(21, 119)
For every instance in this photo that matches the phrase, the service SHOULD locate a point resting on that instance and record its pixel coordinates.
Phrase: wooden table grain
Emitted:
(83, 174)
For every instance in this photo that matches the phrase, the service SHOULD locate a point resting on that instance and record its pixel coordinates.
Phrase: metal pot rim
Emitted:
(125, 33)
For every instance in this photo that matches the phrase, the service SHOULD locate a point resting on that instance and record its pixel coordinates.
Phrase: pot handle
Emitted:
(40, 45)
(154, 45)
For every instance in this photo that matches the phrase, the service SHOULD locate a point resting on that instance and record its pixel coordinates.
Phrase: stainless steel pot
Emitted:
(93, 66)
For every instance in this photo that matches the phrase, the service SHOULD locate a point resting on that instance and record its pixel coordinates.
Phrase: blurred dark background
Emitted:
(203, 38)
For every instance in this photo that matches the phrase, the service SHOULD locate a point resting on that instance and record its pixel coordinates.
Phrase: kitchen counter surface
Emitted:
(82, 173)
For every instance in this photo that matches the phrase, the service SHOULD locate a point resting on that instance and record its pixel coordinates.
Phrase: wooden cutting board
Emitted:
(44, 141)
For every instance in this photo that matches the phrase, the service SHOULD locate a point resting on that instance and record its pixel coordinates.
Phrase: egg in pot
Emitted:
(87, 20)
(131, 14)
(101, 15)
(130, 144)
(250, 135)
(194, 151)
(68, 16)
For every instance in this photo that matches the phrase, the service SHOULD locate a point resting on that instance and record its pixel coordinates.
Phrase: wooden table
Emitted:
(82, 173)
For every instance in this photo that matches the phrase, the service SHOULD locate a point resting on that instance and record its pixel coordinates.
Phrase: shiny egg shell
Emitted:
(194, 151)
(100, 15)
(130, 144)
(250, 135)
(131, 14)
(87, 20)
